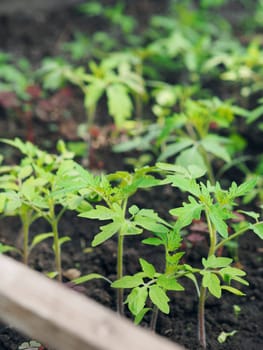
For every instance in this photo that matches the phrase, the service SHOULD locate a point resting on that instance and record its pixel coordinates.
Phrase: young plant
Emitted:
(112, 192)
(113, 76)
(216, 206)
(29, 194)
(150, 284)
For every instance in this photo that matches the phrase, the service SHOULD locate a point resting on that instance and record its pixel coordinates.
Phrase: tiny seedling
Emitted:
(224, 335)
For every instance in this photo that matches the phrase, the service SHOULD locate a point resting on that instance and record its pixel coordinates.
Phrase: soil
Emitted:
(39, 35)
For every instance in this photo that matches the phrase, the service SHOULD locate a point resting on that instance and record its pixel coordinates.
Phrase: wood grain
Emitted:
(63, 319)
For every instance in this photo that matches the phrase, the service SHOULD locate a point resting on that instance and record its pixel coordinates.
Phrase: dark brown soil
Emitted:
(39, 36)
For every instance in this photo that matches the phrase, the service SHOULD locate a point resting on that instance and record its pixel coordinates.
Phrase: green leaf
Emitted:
(150, 224)
(213, 262)
(136, 299)
(187, 213)
(246, 187)
(185, 184)
(128, 281)
(233, 290)
(63, 240)
(141, 315)
(52, 274)
(89, 277)
(153, 241)
(212, 282)
(119, 103)
(147, 268)
(129, 228)
(190, 157)
(169, 283)
(159, 298)
(93, 92)
(213, 144)
(217, 216)
(100, 212)
(4, 248)
(232, 273)
(175, 148)
(107, 231)
(39, 238)
(257, 229)
(25, 171)
(133, 210)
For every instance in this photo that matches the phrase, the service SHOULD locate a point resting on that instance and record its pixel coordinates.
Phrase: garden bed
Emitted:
(36, 37)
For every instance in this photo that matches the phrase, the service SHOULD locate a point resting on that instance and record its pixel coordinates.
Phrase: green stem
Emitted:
(25, 226)
(212, 235)
(203, 290)
(201, 318)
(57, 250)
(154, 318)
(121, 234)
(120, 309)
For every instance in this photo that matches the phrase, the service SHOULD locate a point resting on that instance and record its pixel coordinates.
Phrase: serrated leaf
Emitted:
(212, 282)
(246, 187)
(217, 216)
(100, 212)
(129, 228)
(133, 210)
(185, 184)
(119, 103)
(159, 298)
(128, 281)
(107, 231)
(150, 224)
(214, 262)
(169, 283)
(186, 214)
(147, 268)
(136, 299)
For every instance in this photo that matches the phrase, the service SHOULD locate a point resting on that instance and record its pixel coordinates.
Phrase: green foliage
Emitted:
(26, 191)
(14, 76)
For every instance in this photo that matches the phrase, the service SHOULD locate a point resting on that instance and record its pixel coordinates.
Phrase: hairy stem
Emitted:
(120, 273)
(154, 318)
(203, 290)
(57, 250)
(25, 226)
(201, 318)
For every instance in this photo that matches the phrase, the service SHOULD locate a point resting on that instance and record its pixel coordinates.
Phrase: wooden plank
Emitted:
(63, 319)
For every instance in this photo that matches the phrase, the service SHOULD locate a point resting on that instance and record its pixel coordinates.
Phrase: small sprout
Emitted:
(224, 335)
(237, 310)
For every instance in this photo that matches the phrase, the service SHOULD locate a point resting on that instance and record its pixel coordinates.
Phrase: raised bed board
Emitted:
(63, 319)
